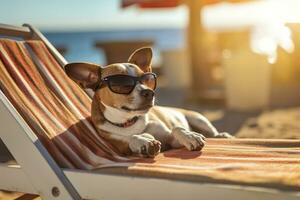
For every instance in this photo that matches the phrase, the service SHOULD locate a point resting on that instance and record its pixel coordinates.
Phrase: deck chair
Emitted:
(57, 154)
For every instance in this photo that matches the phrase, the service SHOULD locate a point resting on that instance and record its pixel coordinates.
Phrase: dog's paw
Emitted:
(191, 140)
(224, 135)
(145, 145)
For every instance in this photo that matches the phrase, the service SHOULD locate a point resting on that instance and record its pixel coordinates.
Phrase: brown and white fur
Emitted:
(157, 128)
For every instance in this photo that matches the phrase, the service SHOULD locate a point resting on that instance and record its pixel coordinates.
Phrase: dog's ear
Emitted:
(87, 75)
(142, 58)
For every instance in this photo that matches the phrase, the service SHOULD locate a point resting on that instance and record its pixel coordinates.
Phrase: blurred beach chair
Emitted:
(57, 154)
(117, 51)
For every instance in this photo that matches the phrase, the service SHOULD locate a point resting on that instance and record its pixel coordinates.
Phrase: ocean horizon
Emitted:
(80, 44)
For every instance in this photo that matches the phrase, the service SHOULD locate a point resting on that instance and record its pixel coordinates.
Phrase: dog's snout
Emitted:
(147, 94)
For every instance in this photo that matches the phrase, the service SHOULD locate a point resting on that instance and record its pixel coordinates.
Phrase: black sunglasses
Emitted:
(125, 84)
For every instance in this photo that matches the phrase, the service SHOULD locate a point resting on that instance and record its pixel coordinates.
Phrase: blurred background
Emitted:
(236, 61)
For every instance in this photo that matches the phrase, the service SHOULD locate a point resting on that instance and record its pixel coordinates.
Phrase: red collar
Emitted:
(128, 123)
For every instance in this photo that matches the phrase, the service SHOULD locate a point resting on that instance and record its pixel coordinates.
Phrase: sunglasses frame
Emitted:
(105, 81)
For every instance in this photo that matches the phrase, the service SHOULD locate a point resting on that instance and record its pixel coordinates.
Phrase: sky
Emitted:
(229, 16)
(92, 14)
(58, 15)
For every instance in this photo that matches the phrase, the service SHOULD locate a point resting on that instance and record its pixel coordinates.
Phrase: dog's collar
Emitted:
(128, 123)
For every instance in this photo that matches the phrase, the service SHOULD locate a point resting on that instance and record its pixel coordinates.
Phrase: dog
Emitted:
(123, 110)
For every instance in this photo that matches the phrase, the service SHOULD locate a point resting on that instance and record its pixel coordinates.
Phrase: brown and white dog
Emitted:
(131, 122)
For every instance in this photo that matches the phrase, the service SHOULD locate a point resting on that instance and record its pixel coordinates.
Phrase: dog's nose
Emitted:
(147, 94)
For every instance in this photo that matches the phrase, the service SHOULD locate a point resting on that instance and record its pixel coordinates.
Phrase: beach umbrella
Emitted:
(151, 3)
(171, 3)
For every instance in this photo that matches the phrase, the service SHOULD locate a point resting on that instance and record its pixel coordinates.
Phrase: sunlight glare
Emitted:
(265, 39)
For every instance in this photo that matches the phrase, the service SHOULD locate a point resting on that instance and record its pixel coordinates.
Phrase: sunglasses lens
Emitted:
(149, 80)
(121, 84)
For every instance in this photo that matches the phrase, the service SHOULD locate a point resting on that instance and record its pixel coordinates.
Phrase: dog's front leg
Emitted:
(144, 145)
(191, 140)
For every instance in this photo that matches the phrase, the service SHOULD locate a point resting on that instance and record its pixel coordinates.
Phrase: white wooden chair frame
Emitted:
(37, 173)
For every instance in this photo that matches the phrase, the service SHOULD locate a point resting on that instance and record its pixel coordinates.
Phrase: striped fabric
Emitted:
(58, 111)
(251, 162)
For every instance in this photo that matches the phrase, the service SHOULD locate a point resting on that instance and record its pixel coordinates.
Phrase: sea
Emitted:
(80, 46)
